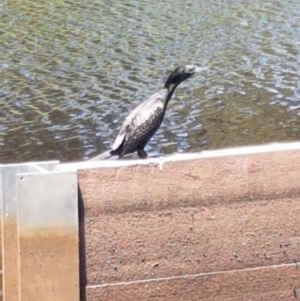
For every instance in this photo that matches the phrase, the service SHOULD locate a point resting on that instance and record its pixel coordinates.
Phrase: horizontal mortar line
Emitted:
(192, 276)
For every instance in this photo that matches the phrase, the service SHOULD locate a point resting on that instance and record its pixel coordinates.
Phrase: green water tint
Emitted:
(71, 71)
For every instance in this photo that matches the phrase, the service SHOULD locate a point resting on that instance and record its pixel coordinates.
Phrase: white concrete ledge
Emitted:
(237, 151)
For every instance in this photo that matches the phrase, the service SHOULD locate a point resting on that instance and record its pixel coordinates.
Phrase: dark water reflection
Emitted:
(72, 70)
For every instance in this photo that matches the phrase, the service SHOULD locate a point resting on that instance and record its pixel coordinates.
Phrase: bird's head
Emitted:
(182, 73)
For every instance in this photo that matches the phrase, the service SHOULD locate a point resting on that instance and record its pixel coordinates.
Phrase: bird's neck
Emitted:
(170, 91)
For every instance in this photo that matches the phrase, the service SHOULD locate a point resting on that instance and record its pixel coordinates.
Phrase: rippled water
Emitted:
(70, 71)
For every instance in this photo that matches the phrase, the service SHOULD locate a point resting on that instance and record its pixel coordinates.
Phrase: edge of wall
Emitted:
(159, 161)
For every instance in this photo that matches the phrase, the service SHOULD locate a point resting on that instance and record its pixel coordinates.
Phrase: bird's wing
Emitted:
(145, 111)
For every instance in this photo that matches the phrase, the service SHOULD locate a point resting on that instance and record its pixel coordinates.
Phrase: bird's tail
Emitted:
(104, 156)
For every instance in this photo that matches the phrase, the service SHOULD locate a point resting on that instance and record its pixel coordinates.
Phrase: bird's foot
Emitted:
(142, 154)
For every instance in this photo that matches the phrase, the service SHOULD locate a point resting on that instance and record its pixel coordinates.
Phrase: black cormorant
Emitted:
(142, 123)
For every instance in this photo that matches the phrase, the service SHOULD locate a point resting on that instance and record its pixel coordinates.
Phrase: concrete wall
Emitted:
(219, 225)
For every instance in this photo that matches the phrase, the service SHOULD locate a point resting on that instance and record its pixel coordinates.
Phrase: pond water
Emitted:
(70, 72)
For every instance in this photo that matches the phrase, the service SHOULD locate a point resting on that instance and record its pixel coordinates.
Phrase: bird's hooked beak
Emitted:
(199, 69)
